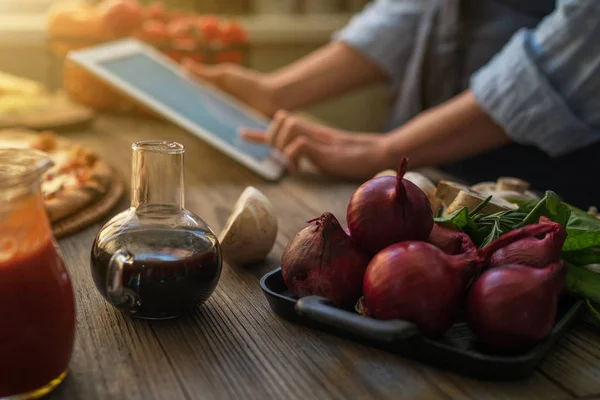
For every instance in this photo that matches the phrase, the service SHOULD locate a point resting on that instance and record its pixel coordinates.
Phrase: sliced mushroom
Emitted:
(484, 187)
(447, 191)
(593, 211)
(250, 231)
(511, 196)
(471, 200)
(515, 194)
(511, 184)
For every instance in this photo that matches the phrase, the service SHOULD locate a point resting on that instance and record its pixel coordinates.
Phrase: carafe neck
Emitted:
(157, 174)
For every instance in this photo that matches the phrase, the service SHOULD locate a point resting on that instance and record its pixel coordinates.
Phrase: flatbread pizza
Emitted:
(29, 104)
(21, 95)
(78, 178)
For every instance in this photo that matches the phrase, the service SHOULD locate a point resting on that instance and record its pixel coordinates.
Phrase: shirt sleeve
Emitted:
(543, 86)
(384, 32)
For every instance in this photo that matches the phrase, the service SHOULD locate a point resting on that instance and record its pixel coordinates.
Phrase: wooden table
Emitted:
(234, 347)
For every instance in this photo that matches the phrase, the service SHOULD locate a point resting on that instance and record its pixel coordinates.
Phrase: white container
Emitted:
(276, 7)
(322, 6)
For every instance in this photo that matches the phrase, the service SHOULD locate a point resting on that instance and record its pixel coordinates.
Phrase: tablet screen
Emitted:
(189, 100)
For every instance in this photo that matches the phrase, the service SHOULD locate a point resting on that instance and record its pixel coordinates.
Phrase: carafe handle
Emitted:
(120, 296)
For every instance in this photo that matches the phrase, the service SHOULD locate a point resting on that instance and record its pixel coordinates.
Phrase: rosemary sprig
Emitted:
(498, 224)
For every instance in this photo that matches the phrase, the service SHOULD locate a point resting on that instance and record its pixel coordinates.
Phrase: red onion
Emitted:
(535, 245)
(387, 210)
(417, 282)
(514, 306)
(561, 277)
(451, 241)
(322, 260)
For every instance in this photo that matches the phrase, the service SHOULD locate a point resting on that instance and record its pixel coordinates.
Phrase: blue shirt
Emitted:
(537, 77)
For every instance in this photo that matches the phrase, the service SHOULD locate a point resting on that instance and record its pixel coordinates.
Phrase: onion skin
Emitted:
(514, 306)
(322, 260)
(417, 282)
(522, 246)
(450, 241)
(388, 210)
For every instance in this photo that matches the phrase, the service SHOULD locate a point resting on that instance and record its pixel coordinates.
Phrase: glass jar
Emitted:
(37, 306)
(156, 260)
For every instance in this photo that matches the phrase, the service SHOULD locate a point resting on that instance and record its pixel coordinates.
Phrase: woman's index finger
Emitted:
(254, 135)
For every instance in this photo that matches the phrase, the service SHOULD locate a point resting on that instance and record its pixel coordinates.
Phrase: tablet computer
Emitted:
(160, 84)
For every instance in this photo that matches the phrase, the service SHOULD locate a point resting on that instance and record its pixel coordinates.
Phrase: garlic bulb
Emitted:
(250, 231)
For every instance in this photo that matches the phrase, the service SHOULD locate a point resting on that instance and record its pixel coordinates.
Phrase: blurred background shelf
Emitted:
(274, 41)
(262, 29)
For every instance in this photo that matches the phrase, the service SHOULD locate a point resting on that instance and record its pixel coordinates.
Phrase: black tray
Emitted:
(456, 351)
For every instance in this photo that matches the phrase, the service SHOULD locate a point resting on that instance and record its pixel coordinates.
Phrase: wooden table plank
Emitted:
(234, 346)
(575, 362)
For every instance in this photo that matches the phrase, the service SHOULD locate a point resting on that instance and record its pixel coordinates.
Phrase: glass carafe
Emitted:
(156, 260)
(37, 306)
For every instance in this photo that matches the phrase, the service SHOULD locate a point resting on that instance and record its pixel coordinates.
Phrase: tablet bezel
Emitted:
(272, 168)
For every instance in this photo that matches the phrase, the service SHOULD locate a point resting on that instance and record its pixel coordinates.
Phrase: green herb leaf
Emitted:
(459, 219)
(582, 246)
(582, 282)
(550, 206)
(593, 312)
(463, 221)
(494, 234)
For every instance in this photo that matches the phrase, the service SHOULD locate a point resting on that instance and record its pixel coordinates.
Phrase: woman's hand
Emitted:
(335, 152)
(249, 86)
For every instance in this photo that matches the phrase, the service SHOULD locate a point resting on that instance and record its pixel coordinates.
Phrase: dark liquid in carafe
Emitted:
(173, 270)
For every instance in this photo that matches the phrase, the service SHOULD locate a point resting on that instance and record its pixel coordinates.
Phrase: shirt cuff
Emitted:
(513, 91)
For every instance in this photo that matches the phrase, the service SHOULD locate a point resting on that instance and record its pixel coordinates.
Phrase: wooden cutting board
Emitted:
(61, 113)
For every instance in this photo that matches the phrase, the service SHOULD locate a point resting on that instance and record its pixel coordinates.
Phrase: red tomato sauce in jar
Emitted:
(37, 308)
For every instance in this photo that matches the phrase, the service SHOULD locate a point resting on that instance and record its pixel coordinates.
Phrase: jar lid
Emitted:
(22, 165)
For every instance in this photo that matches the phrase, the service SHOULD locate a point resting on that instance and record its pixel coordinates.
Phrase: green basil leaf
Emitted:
(587, 256)
(550, 206)
(582, 282)
(583, 236)
(459, 219)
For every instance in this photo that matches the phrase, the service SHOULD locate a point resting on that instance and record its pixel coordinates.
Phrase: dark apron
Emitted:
(436, 72)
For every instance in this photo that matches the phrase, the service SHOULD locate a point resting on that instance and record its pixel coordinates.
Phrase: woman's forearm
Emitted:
(327, 72)
(454, 130)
